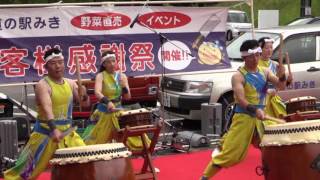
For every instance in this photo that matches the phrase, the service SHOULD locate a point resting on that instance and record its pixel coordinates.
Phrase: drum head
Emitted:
(302, 98)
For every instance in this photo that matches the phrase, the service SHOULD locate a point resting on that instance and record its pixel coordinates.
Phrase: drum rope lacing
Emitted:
(90, 153)
(294, 130)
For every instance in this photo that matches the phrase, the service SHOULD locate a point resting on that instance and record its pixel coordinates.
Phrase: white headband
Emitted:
(54, 55)
(269, 40)
(251, 51)
(104, 58)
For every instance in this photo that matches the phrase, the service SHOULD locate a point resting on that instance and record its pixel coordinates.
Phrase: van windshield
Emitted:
(233, 49)
(237, 17)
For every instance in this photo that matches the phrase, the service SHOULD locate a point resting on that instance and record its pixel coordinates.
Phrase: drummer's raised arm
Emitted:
(126, 94)
(280, 83)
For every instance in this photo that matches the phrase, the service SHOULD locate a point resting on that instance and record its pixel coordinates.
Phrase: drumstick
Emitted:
(120, 59)
(79, 82)
(288, 63)
(117, 109)
(280, 50)
(141, 127)
(68, 131)
(277, 120)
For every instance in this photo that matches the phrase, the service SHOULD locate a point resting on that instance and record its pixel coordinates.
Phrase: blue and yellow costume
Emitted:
(274, 105)
(105, 129)
(236, 142)
(35, 156)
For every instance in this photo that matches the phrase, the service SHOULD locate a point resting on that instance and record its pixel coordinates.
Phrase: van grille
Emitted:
(173, 84)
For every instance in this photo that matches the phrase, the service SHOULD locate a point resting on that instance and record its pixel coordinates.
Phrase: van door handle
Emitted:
(313, 69)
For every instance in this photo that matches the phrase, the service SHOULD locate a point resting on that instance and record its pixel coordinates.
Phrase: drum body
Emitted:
(301, 104)
(119, 169)
(291, 151)
(302, 116)
(92, 163)
(134, 118)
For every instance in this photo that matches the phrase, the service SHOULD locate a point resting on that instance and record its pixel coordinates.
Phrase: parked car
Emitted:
(237, 23)
(305, 20)
(303, 45)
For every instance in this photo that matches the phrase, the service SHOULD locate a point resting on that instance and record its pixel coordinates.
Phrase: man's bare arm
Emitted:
(75, 91)
(281, 85)
(238, 89)
(42, 93)
(43, 99)
(125, 84)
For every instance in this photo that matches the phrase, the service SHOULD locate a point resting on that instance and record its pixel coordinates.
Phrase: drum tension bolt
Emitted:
(262, 170)
(316, 163)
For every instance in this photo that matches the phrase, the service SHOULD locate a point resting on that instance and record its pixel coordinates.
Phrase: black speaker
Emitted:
(6, 107)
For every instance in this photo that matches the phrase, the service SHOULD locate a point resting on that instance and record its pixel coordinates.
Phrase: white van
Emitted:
(237, 23)
(303, 45)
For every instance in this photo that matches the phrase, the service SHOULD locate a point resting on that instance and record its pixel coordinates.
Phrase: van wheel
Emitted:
(227, 102)
(229, 36)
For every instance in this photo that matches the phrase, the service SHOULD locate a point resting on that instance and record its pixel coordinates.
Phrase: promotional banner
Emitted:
(147, 40)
